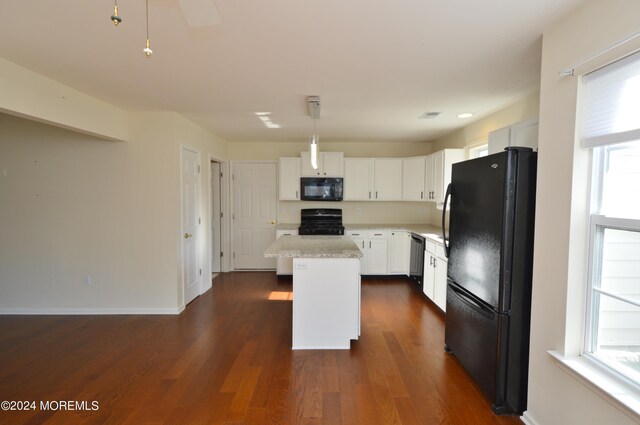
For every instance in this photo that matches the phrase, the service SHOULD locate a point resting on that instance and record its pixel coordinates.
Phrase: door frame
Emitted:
(199, 249)
(225, 223)
(233, 206)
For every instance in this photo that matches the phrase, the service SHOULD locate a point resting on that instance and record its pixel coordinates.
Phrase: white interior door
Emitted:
(254, 217)
(191, 262)
(216, 218)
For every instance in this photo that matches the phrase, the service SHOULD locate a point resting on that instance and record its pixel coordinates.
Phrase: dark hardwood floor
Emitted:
(227, 359)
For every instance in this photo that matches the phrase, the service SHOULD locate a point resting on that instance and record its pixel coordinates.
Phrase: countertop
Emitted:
(427, 230)
(313, 247)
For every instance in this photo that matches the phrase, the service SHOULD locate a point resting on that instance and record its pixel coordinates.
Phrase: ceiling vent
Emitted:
(429, 115)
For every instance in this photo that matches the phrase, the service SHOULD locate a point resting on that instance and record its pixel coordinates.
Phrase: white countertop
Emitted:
(314, 247)
(427, 230)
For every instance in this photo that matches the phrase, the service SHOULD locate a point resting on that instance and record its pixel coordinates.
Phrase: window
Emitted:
(611, 128)
(478, 151)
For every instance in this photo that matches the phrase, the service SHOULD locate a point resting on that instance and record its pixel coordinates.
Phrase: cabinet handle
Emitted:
(362, 244)
(376, 194)
(434, 263)
(377, 234)
(355, 234)
(430, 261)
(369, 244)
(296, 194)
(421, 194)
(369, 194)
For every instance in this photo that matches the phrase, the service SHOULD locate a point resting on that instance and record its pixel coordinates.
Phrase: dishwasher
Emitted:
(416, 265)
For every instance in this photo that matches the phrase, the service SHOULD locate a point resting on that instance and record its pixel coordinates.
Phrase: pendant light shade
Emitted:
(313, 103)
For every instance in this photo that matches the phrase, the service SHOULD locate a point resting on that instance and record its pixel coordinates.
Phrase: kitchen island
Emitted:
(326, 289)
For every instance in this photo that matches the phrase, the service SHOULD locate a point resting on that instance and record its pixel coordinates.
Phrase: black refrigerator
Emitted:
(490, 250)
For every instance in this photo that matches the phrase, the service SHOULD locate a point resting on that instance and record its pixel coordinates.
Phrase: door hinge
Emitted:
(234, 255)
(198, 168)
(233, 216)
(200, 272)
(233, 176)
(221, 215)
(221, 254)
(199, 220)
(220, 174)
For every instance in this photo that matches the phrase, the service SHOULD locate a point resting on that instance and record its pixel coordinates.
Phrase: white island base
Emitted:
(326, 303)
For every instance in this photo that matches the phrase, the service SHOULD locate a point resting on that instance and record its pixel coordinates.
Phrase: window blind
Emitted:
(611, 111)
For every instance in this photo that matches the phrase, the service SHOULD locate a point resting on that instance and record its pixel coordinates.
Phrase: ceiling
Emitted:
(376, 65)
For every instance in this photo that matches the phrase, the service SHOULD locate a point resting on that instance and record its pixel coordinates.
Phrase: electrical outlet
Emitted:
(86, 279)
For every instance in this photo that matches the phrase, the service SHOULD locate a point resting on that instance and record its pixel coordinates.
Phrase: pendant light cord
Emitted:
(147, 4)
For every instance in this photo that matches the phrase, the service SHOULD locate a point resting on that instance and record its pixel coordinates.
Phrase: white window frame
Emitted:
(597, 225)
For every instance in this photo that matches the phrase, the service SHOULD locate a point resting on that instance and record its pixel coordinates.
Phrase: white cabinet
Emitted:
(435, 273)
(330, 164)
(284, 266)
(429, 184)
(374, 247)
(369, 179)
(289, 179)
(399, 252)
(522, 134)
(387, 175)
(413, 179)
(440, 168)
(358, 179)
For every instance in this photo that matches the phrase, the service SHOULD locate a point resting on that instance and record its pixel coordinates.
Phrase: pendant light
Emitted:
(147, 50)
(313, 103)
(115, 17)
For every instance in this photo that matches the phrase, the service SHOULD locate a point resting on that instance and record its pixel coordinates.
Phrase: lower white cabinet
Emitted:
(435, 274)
(284, 266)
(374, 247)
(399, 252)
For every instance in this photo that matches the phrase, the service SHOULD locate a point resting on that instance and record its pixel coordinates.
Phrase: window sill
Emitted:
(616, 391)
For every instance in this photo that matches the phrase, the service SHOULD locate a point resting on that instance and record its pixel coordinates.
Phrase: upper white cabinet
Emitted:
(523, 134)
(330, 164)
(289, 179)
(387, 179)
(358, 179)
(438, 173)
(413, 179)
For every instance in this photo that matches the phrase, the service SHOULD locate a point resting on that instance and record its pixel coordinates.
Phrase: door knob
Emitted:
(273, 222)
(187, 235)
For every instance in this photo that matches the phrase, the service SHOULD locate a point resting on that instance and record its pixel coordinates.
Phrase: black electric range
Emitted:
(321, 221)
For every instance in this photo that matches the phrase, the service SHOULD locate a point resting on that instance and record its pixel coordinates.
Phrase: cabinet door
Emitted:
(289, 179)
(438, 176)
(429, 276)
(399, 252)
(525, 134)
(387, 174)
(360, 239)
(306, 170)
(358, 176)
(413, 179)
(377, 257)
(332, 164)
(284, 266)
(499, 139)
(440, 286)
(443, 160)
(429, 186)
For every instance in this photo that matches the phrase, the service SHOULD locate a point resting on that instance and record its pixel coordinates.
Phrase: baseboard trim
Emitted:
(527, 419)
(89, 311)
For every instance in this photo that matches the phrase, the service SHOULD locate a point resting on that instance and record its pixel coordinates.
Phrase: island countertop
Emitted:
(314, 247)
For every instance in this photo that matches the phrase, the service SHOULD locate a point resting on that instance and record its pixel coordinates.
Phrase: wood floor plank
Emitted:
(227, 359)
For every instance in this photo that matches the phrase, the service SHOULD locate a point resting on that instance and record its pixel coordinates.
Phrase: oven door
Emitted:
(320, 189)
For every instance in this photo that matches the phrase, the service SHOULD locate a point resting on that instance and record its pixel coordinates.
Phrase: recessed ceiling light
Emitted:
(465, 115)
(261, 114)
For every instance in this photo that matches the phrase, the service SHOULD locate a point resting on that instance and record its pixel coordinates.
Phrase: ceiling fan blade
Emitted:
(200, 13)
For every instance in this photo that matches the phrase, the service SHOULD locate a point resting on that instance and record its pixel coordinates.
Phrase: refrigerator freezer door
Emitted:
(475, 334)
(476, 226)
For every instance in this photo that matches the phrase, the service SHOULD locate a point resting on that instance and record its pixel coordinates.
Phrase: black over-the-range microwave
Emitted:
(321, 188)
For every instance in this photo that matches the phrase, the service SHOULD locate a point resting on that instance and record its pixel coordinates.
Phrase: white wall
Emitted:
(555, 397)
(74, 206)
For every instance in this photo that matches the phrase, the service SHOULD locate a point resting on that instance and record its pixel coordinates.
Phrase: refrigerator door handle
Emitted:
(447, 246)
(485, 311)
